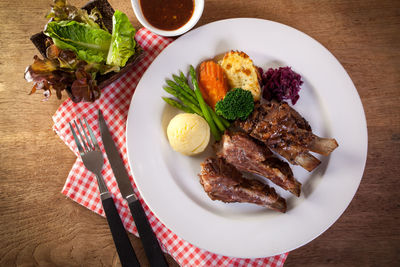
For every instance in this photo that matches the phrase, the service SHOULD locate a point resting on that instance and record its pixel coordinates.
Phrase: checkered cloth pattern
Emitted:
(81, 185)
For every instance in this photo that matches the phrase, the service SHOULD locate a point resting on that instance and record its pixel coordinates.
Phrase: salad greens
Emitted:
(89, 43)
(122, 45)
(79, 48)
(61, 10)
(93, 44)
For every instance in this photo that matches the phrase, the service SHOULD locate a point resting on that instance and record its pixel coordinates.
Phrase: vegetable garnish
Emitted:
(62, 68)
(80, 48)
(190, 102)
(281, 84)
(177, 105)
(237, 104)
(61, 10)
(203, 105)
(212, 81)
(122, 45)
(89, 43)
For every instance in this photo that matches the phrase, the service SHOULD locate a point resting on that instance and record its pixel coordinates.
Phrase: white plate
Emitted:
(168, 181)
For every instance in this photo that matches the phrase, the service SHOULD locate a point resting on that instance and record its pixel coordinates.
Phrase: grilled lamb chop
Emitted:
(246, 154)
(224, 182)
(286, 132)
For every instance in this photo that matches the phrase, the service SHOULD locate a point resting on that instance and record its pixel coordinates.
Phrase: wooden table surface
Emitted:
(40, 226)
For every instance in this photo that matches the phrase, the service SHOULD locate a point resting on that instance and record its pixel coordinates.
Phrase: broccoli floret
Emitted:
(237, 104)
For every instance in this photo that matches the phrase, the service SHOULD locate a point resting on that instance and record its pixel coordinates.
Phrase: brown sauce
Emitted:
(167, 14)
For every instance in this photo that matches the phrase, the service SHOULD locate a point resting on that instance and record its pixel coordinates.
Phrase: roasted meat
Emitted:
(286, 132)
(222, 181)
(246, 154)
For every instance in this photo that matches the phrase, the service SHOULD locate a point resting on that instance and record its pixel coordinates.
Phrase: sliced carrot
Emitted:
(212, 81)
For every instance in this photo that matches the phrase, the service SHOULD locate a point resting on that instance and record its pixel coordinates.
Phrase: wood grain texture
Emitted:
(40, 227)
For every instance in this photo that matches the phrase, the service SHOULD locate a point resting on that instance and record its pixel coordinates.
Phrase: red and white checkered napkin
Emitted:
(81, 185)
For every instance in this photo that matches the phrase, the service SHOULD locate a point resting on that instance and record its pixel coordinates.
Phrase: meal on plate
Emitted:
(81, 48)
(252, 125)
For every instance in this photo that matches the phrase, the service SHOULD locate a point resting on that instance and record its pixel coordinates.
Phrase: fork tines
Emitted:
(83, 142)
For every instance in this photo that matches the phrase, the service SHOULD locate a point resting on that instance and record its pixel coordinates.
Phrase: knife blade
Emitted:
(150, 243)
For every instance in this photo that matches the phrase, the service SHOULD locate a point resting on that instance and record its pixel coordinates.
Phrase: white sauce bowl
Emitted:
(198, 11)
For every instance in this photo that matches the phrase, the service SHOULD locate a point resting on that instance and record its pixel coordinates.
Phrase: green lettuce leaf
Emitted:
(123, 44)
(61, 10)
(89, 43)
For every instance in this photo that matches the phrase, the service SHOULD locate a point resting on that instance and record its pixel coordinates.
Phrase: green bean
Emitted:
(184, 100)
(177, 105)
(221, 122)
(182, 76)
(203, 106)
(215, 118)
(177, 88)
(184, 85)
(224, 121)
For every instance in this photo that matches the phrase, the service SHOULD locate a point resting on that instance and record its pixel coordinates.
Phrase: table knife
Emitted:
(147, 236)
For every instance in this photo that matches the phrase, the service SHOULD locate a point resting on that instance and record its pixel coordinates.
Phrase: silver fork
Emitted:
(92, 158)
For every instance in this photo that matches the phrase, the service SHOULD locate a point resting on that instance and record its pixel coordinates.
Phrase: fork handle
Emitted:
(122, 243)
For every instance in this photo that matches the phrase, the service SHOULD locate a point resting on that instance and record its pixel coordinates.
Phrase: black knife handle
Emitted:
(122, 243)
(150, 243)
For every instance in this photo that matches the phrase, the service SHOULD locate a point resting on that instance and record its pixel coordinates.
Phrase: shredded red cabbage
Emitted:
(280, 84)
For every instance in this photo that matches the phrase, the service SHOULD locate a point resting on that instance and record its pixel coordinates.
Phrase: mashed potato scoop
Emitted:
(188, 134)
